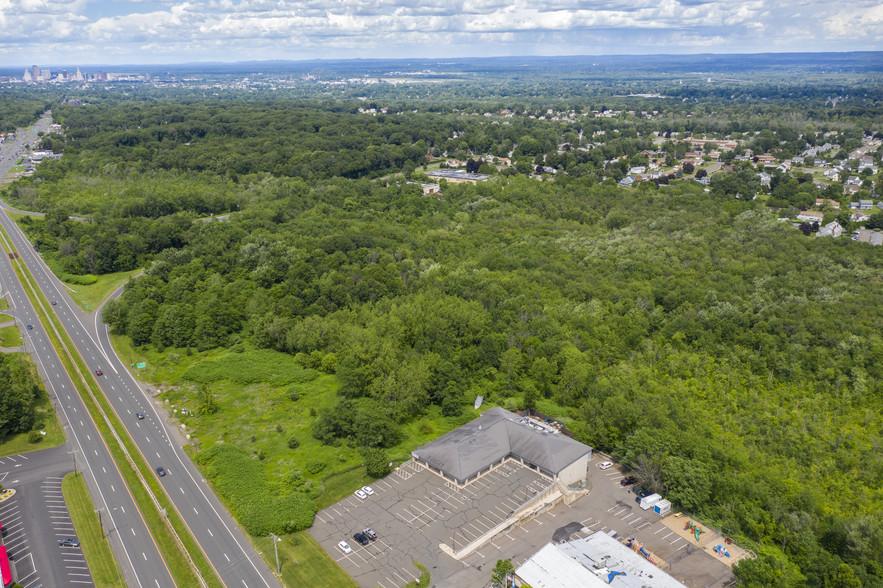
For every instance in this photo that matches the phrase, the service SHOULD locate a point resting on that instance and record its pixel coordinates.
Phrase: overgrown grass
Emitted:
(303, 562)
(93, 540)
(9, 336)
(4, 305)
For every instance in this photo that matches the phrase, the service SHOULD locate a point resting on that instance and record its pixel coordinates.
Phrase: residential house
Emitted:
(765, 179)
(832, 229)
(850, 189)
(638, 169)
(811, 216)
(627, 181)
(865, 204)
(859, 216)
(827, 202)
(854, 181)
(832, 175)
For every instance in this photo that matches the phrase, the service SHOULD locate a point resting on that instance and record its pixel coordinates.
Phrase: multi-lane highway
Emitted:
(138, 555)
(233, 558)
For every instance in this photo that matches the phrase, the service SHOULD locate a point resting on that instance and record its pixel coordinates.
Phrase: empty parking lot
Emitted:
(413, 511)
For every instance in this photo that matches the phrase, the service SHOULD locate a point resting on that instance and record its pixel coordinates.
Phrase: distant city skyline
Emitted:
(132, 32)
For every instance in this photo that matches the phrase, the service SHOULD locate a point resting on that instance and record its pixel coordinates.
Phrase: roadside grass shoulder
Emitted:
(90, 297)
(303, 562)
(4, 304)
(96, 549)
(9, 336)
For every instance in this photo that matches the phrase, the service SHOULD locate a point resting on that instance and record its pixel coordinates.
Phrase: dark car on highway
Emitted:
(161, 471)
(98, 372)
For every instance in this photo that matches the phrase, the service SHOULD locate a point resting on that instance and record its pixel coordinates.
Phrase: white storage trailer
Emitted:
(648, 501)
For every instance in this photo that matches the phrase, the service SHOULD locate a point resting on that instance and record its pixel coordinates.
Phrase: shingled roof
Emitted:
(467, 450)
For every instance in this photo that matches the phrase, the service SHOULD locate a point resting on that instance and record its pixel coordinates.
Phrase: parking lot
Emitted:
(413, 511)
(36, 518)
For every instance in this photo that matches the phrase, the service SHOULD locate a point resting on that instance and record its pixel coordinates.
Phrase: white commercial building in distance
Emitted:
(598, 560)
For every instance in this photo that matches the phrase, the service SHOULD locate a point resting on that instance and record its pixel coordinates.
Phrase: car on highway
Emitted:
(360, 494)
(161, 471)
(54, 302)
(628, 481)
(605, 465)
(69, 542)
(30, 327)
(362, 539)
(371, 533)
(140, 415)
(98, 372)
(368, 490)
(345, 547)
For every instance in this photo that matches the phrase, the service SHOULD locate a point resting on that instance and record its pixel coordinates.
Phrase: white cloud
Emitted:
(230, 29)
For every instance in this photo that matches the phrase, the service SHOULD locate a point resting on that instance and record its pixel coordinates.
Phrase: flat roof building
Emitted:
(598, 560)
(456, 175)
(477, 447)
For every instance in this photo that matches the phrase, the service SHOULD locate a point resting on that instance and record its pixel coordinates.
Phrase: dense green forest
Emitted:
(735, 363)
(18, 396)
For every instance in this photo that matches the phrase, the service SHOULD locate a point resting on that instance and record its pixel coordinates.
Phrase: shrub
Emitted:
(255, 367)
(314, 466)
(34, 437)
(83, 280)
(278, 428)
(293, 443)
(376, 462)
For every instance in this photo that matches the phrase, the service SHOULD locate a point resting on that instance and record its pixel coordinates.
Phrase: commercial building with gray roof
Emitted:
(480, 445)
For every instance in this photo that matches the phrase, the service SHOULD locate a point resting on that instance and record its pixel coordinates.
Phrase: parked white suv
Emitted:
(605, 464)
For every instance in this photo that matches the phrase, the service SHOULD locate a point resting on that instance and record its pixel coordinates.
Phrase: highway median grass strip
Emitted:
(173, 552)
(92, 536)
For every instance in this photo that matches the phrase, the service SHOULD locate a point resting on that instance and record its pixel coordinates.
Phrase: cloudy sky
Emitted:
(49, 32)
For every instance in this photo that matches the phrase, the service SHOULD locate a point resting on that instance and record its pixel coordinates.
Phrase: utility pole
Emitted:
(100, 523)
(276, 549)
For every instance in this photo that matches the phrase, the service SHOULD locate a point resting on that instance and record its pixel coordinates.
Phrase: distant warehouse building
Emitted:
(479, 446)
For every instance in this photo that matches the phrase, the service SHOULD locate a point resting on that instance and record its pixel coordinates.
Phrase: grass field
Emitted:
(303, 562)
(9, 336)
(90, 297)
(96, 549)
(4, 305)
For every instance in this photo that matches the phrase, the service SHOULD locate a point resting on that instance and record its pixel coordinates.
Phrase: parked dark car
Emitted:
(628, 481)
(362, 539)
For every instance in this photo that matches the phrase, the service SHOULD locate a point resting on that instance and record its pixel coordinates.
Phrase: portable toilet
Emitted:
(648, 501)
(662, 507)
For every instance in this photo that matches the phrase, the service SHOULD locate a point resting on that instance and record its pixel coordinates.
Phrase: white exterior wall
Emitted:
(575, 472)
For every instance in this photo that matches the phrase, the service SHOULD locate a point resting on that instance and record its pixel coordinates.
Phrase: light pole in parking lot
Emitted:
(74, 457)
(276, 549)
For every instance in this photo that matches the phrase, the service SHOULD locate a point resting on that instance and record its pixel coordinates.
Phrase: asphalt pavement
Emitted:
(36, 518)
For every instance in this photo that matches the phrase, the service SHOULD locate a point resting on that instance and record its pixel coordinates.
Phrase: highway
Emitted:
(138, 555)
(225, 545)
